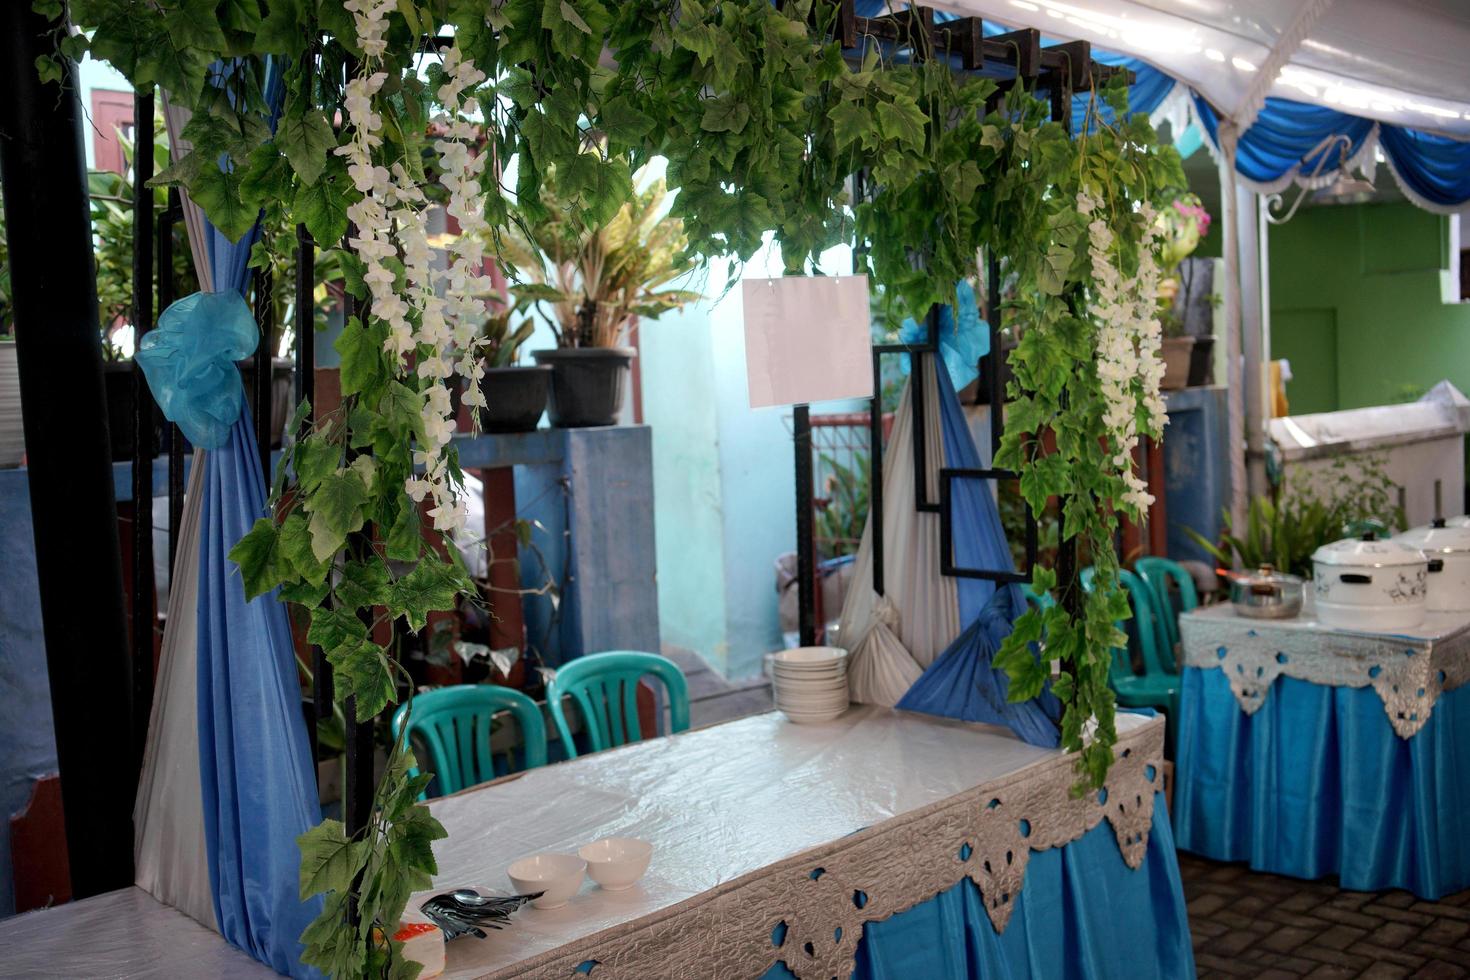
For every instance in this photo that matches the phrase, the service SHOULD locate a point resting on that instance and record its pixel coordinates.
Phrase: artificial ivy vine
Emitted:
(763, 119)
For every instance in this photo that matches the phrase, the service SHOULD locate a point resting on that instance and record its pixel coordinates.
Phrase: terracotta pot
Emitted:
(1176, 352)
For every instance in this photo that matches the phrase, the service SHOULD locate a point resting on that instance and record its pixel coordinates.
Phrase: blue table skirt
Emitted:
(1082, 914)
(1316, 783)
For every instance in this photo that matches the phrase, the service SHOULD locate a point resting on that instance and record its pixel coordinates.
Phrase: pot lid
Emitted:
(1268, 575)
(1438, 537)
(1367, 552)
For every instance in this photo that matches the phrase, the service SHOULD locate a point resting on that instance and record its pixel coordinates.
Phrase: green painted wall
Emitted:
(1355, 306)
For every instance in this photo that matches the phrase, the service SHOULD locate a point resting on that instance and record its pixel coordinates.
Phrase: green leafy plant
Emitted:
(1284, 531)
(842, 510)
(504, 347)
(762, 121)
(597, 279)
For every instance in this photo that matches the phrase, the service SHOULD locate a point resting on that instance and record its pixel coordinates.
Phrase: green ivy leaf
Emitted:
(363, 584)
(725, 114)
(851, 122)
(336, 511)
(218, 194)
(433, 585)
(307, 140)
(329, 861)
(361, 671)
(336, 627)
(903, 121)
(322, 206)
(283, 30)
(364, 366)
(256, 556)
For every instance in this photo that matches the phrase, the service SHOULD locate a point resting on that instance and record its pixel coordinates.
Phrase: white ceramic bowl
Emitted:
(616, 863)
(558, 876)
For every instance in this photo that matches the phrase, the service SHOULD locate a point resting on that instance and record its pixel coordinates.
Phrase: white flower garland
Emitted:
(1129, 368)
(436, 317)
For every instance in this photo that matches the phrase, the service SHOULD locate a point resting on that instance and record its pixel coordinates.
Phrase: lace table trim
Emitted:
(1408, 673)
(809, 910)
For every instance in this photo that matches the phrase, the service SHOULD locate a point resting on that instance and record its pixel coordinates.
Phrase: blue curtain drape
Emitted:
(258, 780)
(1317, 783)
(1283, 134)
(961, 682)
(1082, 915)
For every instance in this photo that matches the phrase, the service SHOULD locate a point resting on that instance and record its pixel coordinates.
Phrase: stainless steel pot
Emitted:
(1266, 594)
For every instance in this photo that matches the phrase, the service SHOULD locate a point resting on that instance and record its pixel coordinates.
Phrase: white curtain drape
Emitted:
(893, 637)
(168, 817)
(169, 853)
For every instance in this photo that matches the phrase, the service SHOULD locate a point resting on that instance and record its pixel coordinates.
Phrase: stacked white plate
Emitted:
(810, 683)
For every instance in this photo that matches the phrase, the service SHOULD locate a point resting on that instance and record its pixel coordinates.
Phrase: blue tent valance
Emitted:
(1433, 171)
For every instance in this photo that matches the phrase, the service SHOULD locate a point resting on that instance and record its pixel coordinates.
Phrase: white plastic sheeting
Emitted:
(123, 935)
(1399, 62)
(893, 637)
(717, 804)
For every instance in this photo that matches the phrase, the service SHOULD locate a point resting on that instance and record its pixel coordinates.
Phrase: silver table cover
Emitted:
(1408, 670)
(735, 811)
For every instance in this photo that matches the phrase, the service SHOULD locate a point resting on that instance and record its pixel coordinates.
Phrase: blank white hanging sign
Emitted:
(807, 339)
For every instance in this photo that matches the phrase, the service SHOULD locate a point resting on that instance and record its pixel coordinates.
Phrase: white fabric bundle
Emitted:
(893, 637)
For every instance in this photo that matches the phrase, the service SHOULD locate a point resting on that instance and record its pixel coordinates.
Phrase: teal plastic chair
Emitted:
(1159, 574)
(605, 689)
(455, 724)
(1156, 686)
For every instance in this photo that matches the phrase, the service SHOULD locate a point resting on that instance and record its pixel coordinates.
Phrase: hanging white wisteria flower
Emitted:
(432, 317)
(1129, 368)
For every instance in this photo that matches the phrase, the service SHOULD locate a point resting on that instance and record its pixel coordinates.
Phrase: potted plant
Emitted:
(515, 395)
(1183, 224)
(597, 281)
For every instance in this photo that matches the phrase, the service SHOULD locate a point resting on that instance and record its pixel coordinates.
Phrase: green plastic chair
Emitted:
(1158, 573)
(605, 689)
(1156, 686)
(455, 724)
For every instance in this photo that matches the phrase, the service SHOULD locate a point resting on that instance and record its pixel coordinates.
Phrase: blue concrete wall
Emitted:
(27, 746)
(724, 475)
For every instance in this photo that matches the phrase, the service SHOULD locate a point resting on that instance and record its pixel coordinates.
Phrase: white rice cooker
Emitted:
(1447, 547)
(1368, 584)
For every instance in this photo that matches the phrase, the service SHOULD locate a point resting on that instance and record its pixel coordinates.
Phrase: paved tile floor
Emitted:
(1247, 924)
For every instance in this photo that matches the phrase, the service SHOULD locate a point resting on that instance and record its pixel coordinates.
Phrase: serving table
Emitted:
(1311, 751)
(882, 843)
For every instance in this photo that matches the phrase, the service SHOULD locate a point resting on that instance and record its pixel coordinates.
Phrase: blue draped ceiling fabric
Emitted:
(257, 780)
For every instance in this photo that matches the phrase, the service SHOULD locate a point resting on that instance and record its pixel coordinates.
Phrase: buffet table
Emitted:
(1311, 751)
(883, 843)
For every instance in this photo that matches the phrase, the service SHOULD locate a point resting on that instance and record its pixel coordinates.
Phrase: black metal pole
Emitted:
(144, 416)
(321, 670)
(357, 785)
(806, 559)
(875, 473)
(166, 222)
(73, 510)
(265, 317)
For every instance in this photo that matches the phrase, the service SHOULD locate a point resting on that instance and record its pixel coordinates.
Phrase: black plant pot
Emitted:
(586, 384)
(515, 397)
(1202, 362)
(117, 379)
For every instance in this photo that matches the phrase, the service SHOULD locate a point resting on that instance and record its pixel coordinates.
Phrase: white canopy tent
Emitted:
(1400, 62)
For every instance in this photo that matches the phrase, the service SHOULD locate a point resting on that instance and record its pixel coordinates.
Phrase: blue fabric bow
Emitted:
(961, 344)
(189, 361)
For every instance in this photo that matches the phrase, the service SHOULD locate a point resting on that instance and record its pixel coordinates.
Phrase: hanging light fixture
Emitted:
(1344, 189)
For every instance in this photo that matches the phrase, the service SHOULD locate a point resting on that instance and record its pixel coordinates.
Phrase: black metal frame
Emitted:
(1060, 70)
